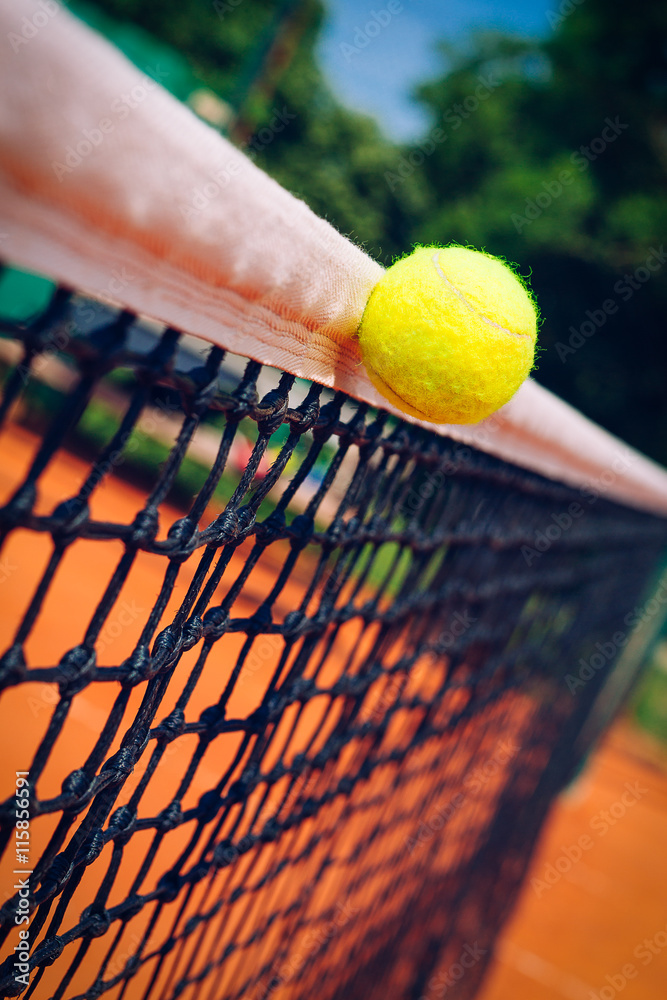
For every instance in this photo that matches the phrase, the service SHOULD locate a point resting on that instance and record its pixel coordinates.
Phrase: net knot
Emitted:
(58, 875)
(69, 517)
(216, 621)
(271, 410)
(95, 922)
(270, 831)
(164, 649)
(205, 383)
(305, 416)
(171, 726)
(193, 630)
(240, 788)
(145, 527)
(258, 720)
(120, 765)
(137, 666)
(294, 624)
(170, 817)
(20, 505)
(303, 689)
(209, 804)
(245, 521)
(260, 621)
(91, 849)
(77, 788)
(211, 718)
(328, 421)
(224, 853)
(335, 533)
(74, 670)
(179, 536)
(272, 528)
(224, 529)
(48, 952)
(122, 824)
(169, 886)
(301, 530)
(12, 665)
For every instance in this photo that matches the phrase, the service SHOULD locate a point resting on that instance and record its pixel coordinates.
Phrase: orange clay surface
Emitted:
(600, 930)
(560, 943)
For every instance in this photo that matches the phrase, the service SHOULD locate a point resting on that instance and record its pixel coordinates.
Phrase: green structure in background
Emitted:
(649, 704)
(23, 295)
(157, 60)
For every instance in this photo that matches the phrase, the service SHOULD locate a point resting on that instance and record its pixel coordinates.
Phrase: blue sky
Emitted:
(377, 77)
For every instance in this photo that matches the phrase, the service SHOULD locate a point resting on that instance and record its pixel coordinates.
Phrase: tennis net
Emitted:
(290, 683)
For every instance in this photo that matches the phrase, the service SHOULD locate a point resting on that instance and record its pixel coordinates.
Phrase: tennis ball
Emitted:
(449, 334)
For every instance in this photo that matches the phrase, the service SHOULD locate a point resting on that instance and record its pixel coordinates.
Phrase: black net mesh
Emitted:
(292, 680)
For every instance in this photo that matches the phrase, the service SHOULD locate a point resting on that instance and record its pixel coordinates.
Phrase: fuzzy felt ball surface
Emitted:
(449, 334)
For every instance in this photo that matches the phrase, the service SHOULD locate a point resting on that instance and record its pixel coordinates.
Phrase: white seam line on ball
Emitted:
(468, 305)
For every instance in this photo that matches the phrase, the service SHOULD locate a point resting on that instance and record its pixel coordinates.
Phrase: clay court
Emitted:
(572, 935)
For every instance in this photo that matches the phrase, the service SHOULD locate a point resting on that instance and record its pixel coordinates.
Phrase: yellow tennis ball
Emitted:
(449, 334)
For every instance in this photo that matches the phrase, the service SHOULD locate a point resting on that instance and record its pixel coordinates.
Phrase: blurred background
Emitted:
(538, 131)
